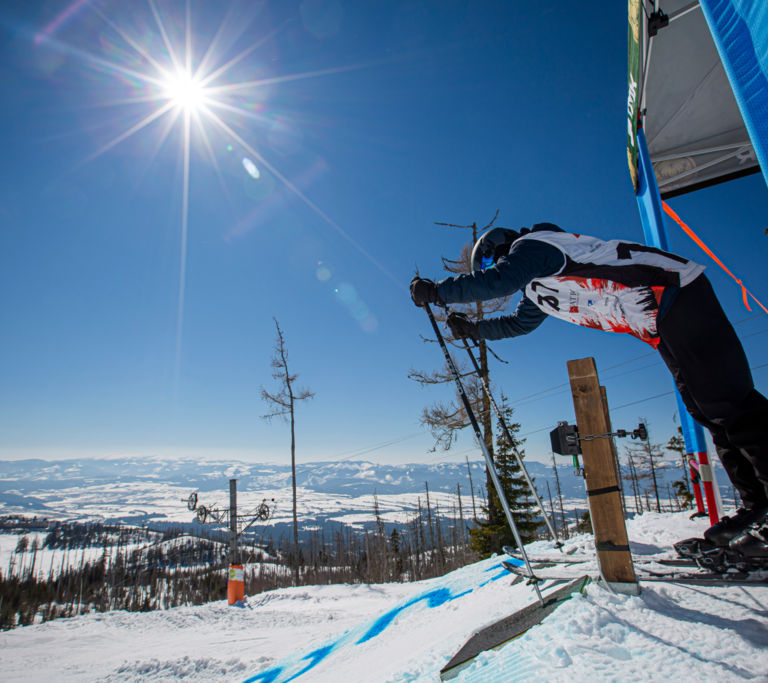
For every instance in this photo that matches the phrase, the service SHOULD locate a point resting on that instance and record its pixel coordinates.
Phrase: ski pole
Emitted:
(484, 448)
(516, 453)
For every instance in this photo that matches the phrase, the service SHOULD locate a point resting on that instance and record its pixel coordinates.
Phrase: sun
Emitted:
(185, 91)
(197, 93)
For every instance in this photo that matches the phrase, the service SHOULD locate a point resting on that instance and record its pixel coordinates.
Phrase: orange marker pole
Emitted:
(235, 584)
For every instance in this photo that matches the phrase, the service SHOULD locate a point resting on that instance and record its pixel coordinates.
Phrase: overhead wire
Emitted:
(356, 452)
(626, 405)
(753, 334)
(632, 360)
(604, 379)
(536, 431)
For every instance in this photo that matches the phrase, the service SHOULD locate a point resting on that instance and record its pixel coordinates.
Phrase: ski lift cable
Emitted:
(548, 427)
(410, 436)
(379, 446)
(753, 334)
(323, 463)
(626, 405)
(604, 379)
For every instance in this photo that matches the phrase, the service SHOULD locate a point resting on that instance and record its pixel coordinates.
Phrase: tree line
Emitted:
(137, 570)
(143, 570)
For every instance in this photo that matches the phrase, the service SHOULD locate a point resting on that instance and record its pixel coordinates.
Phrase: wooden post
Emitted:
(611, 539)
(604, 397)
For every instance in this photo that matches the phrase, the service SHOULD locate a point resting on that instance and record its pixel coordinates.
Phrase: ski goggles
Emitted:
(487, 262)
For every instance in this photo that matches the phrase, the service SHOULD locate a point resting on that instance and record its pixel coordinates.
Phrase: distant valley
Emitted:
(150, 489)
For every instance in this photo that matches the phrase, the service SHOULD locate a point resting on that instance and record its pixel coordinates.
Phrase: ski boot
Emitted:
(746, 553)
(719, 535)
(752, 547)
(728, 528)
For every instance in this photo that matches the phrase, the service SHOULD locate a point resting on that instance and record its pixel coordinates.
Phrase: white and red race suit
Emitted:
(614, 286)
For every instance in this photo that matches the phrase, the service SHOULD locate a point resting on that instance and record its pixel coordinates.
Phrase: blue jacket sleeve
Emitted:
(526, 318)
(526, 261)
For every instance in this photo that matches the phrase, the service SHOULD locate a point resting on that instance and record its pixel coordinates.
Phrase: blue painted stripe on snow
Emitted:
(432, 598)
(314, 658)
(267, 676)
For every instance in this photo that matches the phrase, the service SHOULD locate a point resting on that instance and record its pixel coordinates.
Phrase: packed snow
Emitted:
(408, 632)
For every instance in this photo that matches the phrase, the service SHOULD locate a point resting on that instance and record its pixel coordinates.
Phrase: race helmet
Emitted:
(491, 246)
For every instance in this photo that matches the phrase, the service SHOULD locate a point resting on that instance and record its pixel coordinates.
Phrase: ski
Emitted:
(690, 578)
(563, 559)
(706, 579)
(518, 570)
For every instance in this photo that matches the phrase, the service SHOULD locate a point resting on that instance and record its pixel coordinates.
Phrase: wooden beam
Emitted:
(600, 474)
(604, 397)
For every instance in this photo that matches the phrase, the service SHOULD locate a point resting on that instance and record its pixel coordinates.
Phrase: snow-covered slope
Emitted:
(407, 632)
(150, 489)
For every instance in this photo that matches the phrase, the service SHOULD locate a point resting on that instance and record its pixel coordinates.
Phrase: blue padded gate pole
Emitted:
(655, 231)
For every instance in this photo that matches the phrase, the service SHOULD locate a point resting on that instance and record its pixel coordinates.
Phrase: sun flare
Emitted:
(198, 94)
(185, 91)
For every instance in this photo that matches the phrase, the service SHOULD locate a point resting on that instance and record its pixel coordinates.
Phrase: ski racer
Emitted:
(663, 299)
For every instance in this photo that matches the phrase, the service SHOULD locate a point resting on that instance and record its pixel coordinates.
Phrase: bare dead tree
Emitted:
(462, 536)
(552, 508)
(559, 491)
(646, 454)
(632, 476)
(471, 490)
(283, 404)
(446, 419)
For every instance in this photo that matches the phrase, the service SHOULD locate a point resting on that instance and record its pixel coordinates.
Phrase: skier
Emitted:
(661, 298)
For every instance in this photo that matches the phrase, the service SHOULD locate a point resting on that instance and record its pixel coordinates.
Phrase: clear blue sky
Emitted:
(453, 110)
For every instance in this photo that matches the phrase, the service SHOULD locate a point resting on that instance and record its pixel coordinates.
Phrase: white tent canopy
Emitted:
(695, 132)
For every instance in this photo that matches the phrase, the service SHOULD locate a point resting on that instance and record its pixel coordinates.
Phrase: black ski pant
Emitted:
(711, 372)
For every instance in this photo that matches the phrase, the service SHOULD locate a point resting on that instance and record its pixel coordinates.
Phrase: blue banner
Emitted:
(740, 31)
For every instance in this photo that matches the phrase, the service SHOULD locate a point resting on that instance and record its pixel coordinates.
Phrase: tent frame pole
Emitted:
(655, 230)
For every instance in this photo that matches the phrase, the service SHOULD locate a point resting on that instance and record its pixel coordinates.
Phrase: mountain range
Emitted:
(136, 489)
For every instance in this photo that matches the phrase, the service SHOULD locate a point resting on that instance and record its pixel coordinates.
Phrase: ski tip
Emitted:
(515, 569)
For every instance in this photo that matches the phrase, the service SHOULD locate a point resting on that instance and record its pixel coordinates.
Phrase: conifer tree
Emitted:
(584, 525)
(682, 487)
(491, 534)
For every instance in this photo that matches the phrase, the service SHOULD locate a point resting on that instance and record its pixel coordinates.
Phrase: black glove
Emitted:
(461, 326)
(424, 291)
